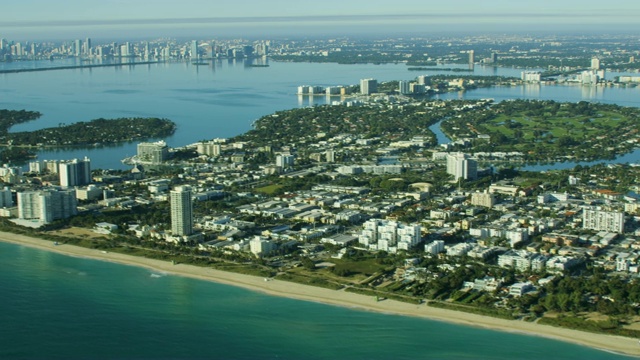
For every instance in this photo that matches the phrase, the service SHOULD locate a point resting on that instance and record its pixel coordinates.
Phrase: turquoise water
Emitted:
(55, 306)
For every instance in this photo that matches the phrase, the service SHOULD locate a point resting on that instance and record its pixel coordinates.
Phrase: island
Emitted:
(98, 132)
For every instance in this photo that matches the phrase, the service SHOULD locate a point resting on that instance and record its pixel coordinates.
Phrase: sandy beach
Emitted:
(616, 344)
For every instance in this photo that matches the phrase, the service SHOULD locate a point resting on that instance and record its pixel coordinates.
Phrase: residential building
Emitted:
(209, 148)
(155, 152)
(461, 166)
(47, 205)
(75, 172)
(181, 211)
(389, 235)
(6, 199)
(404, 88)
(531, 76)
(435, 247)
(284, 160)
(261, 246)
(485, 199)
(601, 220)
(368, 86)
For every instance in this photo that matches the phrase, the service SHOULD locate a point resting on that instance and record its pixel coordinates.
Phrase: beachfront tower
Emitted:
(181, 211)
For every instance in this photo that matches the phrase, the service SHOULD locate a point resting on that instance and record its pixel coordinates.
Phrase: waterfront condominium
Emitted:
(75, 172)
(47, 205)
(181, 211)
(461, 166)
(368, 86)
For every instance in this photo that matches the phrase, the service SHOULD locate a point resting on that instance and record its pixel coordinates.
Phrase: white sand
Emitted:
(617, 344)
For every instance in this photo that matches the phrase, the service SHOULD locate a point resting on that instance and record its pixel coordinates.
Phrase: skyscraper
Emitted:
(472, 58)
(75, 172)
(87, 46)
(155, 152)
(461, 166)
(181, 211)
(194, 49)
(47, 205)
(404, 87)
(368, 86)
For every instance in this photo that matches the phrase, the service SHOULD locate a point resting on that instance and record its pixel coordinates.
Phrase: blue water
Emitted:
(55, 306)
(221, 99)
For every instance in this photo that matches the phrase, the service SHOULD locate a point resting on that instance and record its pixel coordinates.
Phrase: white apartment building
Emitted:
(435, 247)
(181, 211)
(485, 199)
(389, 235)
(460, 165)
(597, 219)
(47, 205)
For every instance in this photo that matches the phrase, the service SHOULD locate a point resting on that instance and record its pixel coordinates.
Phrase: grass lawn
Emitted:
(577, 127)
(270, 189)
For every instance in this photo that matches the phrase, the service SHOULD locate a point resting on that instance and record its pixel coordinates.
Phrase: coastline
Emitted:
(617, 344)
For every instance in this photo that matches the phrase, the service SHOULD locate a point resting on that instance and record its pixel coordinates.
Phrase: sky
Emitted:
(41, 19)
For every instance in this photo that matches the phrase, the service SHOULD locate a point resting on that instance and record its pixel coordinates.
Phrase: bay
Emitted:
(56, 306)
(221, 99)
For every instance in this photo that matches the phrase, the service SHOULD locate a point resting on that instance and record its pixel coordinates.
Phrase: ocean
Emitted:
(62, 307)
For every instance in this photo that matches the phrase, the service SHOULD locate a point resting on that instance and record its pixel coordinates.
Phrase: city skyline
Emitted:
(73, 18)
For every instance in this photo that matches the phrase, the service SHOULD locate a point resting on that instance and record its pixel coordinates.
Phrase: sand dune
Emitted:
(341, 298)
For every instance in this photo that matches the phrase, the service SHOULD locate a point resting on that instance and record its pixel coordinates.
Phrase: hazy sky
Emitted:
(23, 19)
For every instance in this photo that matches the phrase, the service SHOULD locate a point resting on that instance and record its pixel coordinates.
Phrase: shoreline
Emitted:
(612, 343)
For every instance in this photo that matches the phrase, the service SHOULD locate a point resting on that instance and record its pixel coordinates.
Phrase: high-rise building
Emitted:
(472, 58)
(77, 48)
(75, 172)
(461, 166)
(485, 199)
(155, 152)
(284, 160)
(330, 156)
(595, 63)
(368, 86)
(404, 87)
(262, 49)
(5, 197)
(209, 148)
(47, 205)
(387, 235)
(248, 51)
(194, 49)
(181, 211)
(531, 76)
(423, 80)
(87, 46)
(602, 220)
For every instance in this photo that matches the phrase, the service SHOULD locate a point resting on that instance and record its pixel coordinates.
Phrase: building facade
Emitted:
(155, 152)
(601, 220)
(461, 166)
(47, 205)
(181, 211)
(75, 172)
(368, 86)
